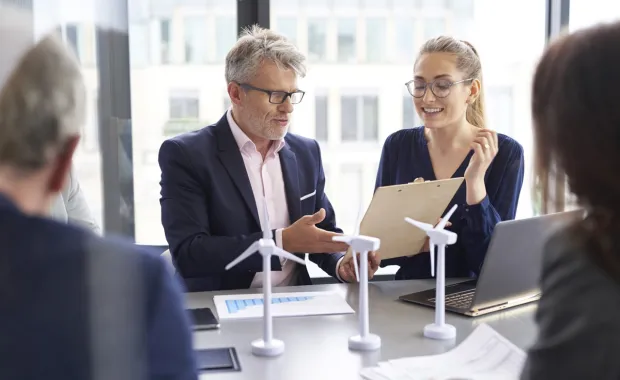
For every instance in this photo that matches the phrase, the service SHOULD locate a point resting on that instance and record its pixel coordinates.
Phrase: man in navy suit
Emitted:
(217, 181)
(72, 305)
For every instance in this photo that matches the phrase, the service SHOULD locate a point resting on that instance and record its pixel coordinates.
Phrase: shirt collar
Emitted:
(243, 141)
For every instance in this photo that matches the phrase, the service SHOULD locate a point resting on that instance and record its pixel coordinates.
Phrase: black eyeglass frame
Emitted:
(283, 94)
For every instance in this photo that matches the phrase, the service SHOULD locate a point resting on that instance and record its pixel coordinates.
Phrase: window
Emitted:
(346, 40)
(583, 14)
(184, 106)
(370, 118)
(195, 33)
(434, 27)
(90, 131)
(226, 36)
(320, 117)
(405, 50)
(349, 195)
(138, 45)
(500, 109)
(375, 39)
(408, 112)
(348, 118)
(164, 40)
(288, 27)
(72, 38)
(359, 118)
(82, 41)
(184, 111)
(317, 35)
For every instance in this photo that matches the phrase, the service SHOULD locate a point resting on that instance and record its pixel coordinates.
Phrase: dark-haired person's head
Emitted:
(42, 110)
(447, 84)
(576, 118)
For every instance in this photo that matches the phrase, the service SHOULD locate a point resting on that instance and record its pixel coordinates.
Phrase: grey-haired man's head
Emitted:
(42, 110)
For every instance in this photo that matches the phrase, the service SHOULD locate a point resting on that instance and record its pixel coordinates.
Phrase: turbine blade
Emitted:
(289, 256)
(423, 226)
(267, 231)
(446, 218)
(357, 270)
(249, 251)
(432, 259)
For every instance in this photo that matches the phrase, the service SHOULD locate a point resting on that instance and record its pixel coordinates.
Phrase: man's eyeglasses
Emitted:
(276, 97)
(439, 87)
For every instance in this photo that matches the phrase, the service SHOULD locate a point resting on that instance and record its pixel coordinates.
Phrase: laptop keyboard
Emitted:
(459, 300)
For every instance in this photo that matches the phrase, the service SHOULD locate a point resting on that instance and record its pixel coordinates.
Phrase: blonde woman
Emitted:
(454, 142)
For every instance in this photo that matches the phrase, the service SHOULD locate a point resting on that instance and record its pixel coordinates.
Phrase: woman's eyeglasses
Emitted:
(439, 87)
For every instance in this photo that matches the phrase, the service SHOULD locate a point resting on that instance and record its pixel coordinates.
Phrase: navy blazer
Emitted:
(73, 305)
(209, 213)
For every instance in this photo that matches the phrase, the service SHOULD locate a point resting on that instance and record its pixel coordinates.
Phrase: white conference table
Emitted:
(317, 346)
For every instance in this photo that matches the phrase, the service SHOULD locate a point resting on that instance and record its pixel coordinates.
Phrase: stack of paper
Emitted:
(483, 355)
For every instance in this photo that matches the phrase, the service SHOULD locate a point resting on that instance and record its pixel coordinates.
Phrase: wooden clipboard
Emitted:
(422, 201)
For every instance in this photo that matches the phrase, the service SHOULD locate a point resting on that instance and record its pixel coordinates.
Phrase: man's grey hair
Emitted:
(42, 105)
(257, 44)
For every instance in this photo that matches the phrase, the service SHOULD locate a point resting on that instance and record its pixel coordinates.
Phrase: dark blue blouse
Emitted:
(405, 157)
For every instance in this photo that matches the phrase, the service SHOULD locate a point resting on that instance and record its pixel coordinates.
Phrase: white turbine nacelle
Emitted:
(442, 237)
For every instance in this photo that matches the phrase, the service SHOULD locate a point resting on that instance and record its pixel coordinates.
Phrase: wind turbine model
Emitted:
(365, 341)
(440, 237)
(268, 346)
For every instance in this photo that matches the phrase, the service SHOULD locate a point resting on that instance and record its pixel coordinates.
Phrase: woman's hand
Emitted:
(485, 147)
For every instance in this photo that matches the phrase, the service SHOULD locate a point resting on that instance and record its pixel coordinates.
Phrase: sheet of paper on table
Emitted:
(483, 355)
(245, 306)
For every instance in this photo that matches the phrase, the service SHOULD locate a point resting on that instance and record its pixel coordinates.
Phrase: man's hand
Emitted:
(304, 237)
(346, 271)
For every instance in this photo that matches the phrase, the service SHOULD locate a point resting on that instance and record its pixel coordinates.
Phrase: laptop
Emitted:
(510, 272)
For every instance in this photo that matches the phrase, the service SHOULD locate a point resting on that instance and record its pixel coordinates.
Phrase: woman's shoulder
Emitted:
(508, 145)
(567, 261)
(407, 136)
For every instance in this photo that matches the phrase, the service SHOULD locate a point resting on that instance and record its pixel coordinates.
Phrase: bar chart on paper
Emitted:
(244, 306)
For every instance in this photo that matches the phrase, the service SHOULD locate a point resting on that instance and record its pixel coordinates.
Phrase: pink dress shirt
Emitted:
(268, 186)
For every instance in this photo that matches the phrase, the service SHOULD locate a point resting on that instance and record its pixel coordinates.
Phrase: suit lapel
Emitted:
(288, 162)
(230, 156)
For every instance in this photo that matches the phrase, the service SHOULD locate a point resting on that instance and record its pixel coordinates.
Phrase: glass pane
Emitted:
(583, 13)
(350, 196)
(405, 40)
(346, 40)
(169, 100)
(500, 104)
(408, 112)
(226, 36)
(371, 118)
(320, 121)
(317, 34)
(195, 30)
(348, 118)
(288, 27)
(434, 27)
(375, 40)
(164, 41)
(78, 31)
